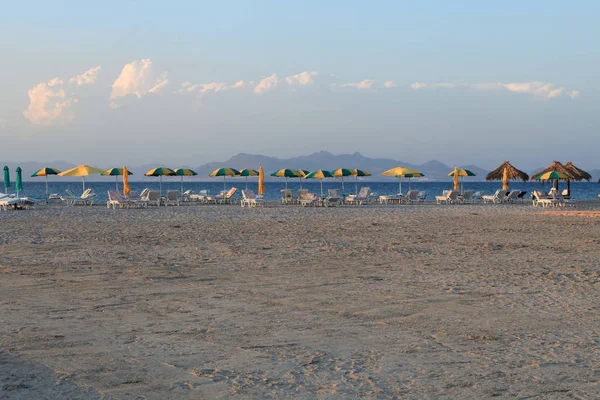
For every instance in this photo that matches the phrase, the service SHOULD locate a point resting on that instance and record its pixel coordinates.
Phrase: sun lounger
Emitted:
(478, 195)
(152, 198)
(412, 196)
(87, 198)
(308, 199)
(499, 197)
(8, 202)
(226, 198)
(540, 198)
(450, 196)
(249, 199)
(286, 196)
(361, 198)
(115, 199)
(513, 196)
(467, 196)
(172, 198)
(333, 198)
(396, 198)
(422, 196)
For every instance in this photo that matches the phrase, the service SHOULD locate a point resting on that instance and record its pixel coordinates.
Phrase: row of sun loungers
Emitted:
(10, 202)
(552, 199)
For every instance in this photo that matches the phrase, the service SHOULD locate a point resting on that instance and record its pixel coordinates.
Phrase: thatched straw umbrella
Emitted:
(513, 173)
(555, 166)
(577, 174)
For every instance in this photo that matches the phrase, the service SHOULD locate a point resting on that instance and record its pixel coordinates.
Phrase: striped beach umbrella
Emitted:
(116, 172)
(460, 172)
(320, 175)
(553, 176)
(286, 173)
(82, 171)
(160, 172)
(356, 173)
(45, 172)
(341, 173)
(184, 172)
(248, 172)
(224, 172)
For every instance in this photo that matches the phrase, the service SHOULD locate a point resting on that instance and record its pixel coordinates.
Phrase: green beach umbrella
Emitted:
(320, 174)
(6, 179)
(461, 172)
(356, 173)
(341, 173)
(45, 172)
(224, 172)
(160, 172)
(248, 172)
(286, 173)
(19, 181)
(184, 172)
(116, 172)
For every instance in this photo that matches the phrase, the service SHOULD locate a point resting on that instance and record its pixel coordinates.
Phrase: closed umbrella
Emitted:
(320, 175)
(45, 172)
(506, 172)
(126, 188)
(356, 173)
(6, 179)
(248, 172)
(341, 173)
(116, 172)
(505, 179)
(286, 173)
(456, 184)
(460, 172)
(82, 171)
(225, 172)
(261, 180)
(184, 172)
(160, 172)
(19, 181)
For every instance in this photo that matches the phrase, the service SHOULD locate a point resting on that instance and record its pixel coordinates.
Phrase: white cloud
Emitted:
(137, 78)
(539, 90)
(48, 103)
(390, 84)
(267, 84)
(215, 87)
(365, 84)
(87, 78)
(303, 78)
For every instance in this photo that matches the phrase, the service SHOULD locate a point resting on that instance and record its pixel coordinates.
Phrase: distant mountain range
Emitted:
(433, 170)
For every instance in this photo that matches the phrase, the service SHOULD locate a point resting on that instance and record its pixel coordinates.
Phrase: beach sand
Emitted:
(424, 301)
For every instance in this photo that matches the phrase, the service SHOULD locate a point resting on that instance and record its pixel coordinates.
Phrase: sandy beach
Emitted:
(421, 301)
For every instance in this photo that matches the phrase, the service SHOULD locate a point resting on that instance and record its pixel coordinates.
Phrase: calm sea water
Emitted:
(579, 190)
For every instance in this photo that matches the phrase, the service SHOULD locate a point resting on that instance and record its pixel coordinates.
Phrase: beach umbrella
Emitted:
(552, 176)
(320, 174)
(160, 172)
(184, 172)
(261, 180)
(6, 179)
(286, 173)
(456, 172)
(19, 181)
(247, 173)
(577, 174)
(402, 172)
(116, 172)
(82, 171)
(359, 172)
(301, 173)
(506, 172)
(341, 173)
(224, 172)
(126, 188)
(45, 172)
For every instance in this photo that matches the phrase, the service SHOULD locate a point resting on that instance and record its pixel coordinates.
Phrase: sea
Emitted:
(37, 190)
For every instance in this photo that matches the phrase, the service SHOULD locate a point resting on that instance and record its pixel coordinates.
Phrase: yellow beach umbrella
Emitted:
(126, 188)
(403, 172)
(160, 172)
(505, 179)
(82, 171)
(261, 180)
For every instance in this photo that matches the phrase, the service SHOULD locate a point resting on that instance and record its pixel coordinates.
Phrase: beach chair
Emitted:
(115, 199)
(521, 196)
(172, 198)
(467, 196)
(185, 196)
(333, 198)
(478, 195)
(87, 198)
(450, 196)
(152, 198)
(361, 198)
(499, 197)
(540, 198)
(422, 196)
(286, 196)
(560, 200)
(249, 199)
(412, 196)
(8, 202)
(513, 196)
(135, 200)
(308, 199)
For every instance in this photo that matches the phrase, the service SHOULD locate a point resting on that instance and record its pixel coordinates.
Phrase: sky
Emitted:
(188, 82)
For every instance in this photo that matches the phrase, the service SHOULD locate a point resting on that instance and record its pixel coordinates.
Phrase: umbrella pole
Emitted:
(46, 189)
(408, 183)
(321, 187)
(569, 188)
(224, 184)
(342, 185)
(117, 182)
(400, 185)
(356, 191)
(160, 187)
(182, 185)
(286, 178)
(246, 183)
(83, 180)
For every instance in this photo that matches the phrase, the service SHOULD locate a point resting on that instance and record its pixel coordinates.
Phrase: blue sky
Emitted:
(467, 82)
